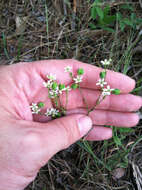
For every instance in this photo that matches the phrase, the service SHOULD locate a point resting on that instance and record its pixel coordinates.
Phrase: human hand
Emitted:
(27, 142)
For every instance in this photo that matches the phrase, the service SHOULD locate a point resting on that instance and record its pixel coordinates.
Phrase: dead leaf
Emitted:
(118, 173)
(21, 24)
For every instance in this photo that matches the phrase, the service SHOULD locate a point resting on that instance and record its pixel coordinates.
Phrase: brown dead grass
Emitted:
(74, 168)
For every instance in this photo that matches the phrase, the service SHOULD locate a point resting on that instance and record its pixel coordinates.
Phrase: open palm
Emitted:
(33, 140)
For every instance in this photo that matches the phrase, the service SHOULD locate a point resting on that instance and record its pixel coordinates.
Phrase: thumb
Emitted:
(61, 133)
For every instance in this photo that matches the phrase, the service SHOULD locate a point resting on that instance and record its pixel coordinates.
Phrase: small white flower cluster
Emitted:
(106, 62)
(51, 77)
(107, 91)
(101, 82)
(68, 69)
(54, 92)
(52, 112)
(35, 109)
(78, 79)
(55, 89)
(48, 84)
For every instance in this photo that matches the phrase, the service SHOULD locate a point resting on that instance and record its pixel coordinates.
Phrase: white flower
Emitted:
(107, 91)
(45, 84)
(62, 90)
(78, 79)
(101, 82)
(68, 69)
(48, 84)
(65, 89)
(51, 112)
(106, 62)
(51, 76)
(35, 109)
(53, 93)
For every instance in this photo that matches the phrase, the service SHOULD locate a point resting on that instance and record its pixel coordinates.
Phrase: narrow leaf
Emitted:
(100, 12)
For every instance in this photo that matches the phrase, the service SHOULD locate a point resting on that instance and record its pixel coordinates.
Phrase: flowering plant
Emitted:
(56, 89)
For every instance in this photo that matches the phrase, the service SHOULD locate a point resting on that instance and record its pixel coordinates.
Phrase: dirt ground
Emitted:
(38, 30)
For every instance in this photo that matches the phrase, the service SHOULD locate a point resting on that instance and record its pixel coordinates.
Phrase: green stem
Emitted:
(66, 100)
(63, 110)
(56, 102)
(84, 100)
(98, 100)
(97, 103)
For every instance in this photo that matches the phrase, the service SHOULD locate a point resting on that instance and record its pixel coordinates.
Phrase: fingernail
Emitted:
(84, 124)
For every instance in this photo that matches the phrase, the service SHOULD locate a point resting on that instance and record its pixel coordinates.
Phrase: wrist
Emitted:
(11, 181)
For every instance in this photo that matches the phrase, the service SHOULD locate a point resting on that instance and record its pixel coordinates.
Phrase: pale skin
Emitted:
(27, 142)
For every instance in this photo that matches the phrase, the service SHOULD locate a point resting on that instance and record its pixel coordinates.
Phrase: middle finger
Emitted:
(121, 103)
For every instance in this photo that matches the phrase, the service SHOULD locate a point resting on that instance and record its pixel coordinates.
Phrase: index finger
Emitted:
(90, 77)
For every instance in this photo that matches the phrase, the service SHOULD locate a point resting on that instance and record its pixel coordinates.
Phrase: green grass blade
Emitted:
(5, 45)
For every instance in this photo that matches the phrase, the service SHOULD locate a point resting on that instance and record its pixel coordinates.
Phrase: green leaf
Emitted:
(102, 74)
(106, 10)
(125, 130)
(123, 165)
(80, 71)
(93, 12)
(118, 16)
(137, 89)
(54, 86)
(40, 104)
(58, 115)
(100, 12)
(128, 22)
(127, 7)
(116, 91)
(96, 2)
(92, 26)
(138, 21)
(109, 19)
(61, 86)
(122, 25)
(107, 29)
(74, 86)
(117, 140)
(133, 16)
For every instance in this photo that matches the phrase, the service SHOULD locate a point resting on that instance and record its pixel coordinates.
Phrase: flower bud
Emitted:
(74, 86)
(54, 86)
(102, 74)
(40, 104)
(58, 115)
(116, 91)
(80, 71)
(61, 86)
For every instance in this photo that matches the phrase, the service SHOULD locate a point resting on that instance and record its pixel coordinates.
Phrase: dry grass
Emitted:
(55, 32)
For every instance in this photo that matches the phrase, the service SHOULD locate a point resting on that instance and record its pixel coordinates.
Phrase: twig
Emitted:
(65, 8)
(74, 6)
(60, 34)
(31, 3)
(112, 4)
(140, 1)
